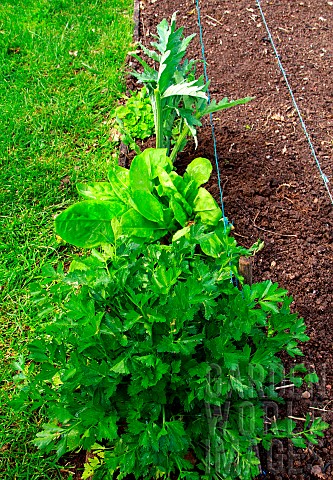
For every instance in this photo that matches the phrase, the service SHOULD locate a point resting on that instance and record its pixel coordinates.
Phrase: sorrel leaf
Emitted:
(206, 207)
(88, 224)
(199, 170)
(96, 191)
(134, 224)
(148, 206)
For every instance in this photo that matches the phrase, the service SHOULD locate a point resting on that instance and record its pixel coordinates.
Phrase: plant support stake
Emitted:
(158, 119)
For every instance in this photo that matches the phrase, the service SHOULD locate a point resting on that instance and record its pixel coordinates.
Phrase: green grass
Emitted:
(62, 70)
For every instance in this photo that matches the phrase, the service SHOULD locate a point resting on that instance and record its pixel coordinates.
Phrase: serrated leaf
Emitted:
(107, 428)
(298, 442)
(224, 104)
(297, 381)
(300, 367)
(150, 53)
(311, 378)
(268, 306)
(120, 367)
(191, 89)
(50, 434)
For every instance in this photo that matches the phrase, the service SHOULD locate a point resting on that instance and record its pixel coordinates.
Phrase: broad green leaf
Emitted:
(134, 224)
(141, 174)
(212, 245)
(206, 208)
(144, 168)
(164, 278)
(119, 180)
(97, 191)
(178, 211)
(88, 224)
(178, 181)
(199, 170)
(148, 206)
(168, 187)
(181, 233)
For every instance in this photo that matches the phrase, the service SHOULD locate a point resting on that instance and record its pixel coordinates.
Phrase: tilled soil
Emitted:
(272, 187)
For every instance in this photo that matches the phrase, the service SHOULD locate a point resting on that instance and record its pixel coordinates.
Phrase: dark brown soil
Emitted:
(272, 187)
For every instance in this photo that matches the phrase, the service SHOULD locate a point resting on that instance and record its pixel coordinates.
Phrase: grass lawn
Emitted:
(62, 70)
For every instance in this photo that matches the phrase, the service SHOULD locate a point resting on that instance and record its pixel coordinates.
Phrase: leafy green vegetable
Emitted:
(148, 201)
(88, 224)
(151, 349)
(135, 119)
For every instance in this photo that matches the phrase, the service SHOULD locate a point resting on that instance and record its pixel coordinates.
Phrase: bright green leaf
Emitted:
(148, 206)
(97, 191)
(206, 207)
(134, 224)
(88, 224)
(199, 170)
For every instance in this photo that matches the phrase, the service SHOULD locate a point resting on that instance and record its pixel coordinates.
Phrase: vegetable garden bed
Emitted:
(272, 188)
(153, 347)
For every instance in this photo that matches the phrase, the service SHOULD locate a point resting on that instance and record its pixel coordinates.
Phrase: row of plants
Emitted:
(154, 354)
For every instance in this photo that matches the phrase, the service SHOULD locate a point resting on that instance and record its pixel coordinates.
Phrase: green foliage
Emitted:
(179, 99)
(145, 348)
(145, 202)
(147, 354)
(135, 119)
